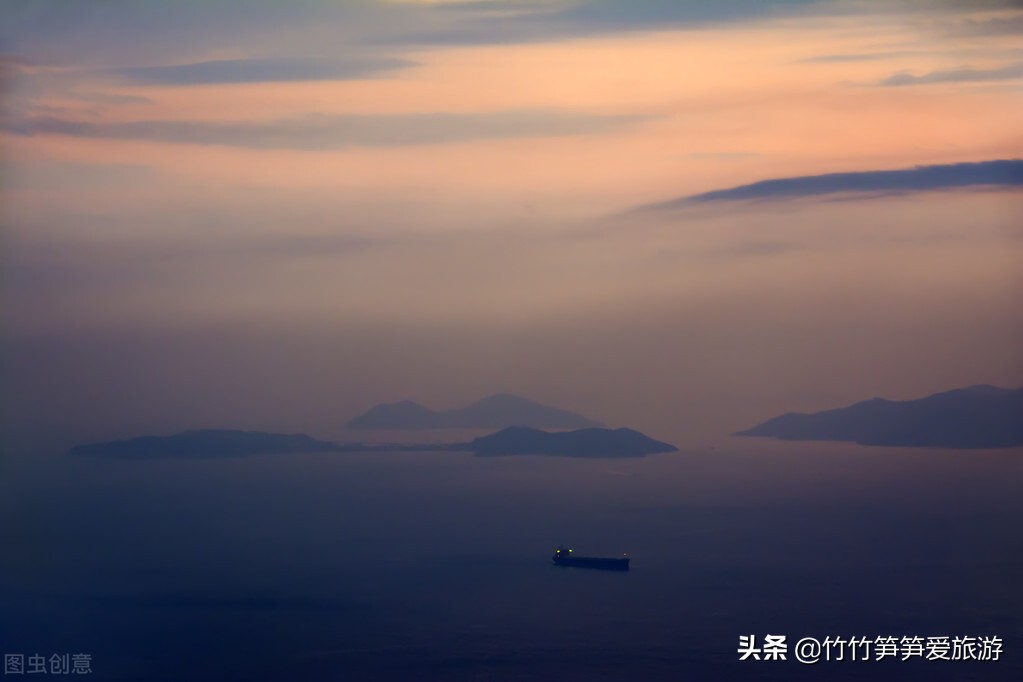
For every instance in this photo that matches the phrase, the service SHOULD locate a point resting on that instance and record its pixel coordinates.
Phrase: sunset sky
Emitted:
(273, 215)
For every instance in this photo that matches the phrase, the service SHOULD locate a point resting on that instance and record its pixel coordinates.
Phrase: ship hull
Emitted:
(606, 564)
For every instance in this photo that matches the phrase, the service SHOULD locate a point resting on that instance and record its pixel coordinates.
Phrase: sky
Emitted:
(682, 217)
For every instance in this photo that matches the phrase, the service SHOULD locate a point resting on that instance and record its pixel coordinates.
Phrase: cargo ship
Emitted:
(564, 557)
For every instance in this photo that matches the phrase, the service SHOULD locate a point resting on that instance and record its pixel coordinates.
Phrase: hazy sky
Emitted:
(683, 217)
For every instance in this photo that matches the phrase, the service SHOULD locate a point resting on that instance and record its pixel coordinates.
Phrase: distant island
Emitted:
(593, 442)
(494, 412)
(974, 417)
(219, 443)
(206, 443)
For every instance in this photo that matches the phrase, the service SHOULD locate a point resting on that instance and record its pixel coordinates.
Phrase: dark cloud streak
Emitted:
(1009, 72)
(998, 173)
(321, 132)
(862, 57)
(998, 26)
(260, 70)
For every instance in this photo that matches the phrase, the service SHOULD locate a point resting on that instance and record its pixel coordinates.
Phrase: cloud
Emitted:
(855, 57)
(1010, 72)
(487, 23)
(552, 20)
(259, 70)
(319, 132)
(158, 42)
(158, 34)
(117, 33)
(999, 173)
(997, 26)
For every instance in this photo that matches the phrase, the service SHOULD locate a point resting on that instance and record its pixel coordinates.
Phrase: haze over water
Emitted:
(683, 218)
(436, 566)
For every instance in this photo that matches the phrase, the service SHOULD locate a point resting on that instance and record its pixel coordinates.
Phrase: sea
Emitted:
(436, 565)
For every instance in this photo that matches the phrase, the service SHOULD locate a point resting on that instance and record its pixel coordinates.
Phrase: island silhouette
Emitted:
(203, 443)
(518, 440)
(199, 444)
(978, 416)
(493, 412)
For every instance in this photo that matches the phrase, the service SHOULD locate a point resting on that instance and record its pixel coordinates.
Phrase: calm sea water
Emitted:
(435, 566)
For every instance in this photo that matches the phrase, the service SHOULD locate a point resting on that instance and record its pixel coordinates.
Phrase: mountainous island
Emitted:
(593, 442)
(215, 443)
(974, 417)
(493, 412)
